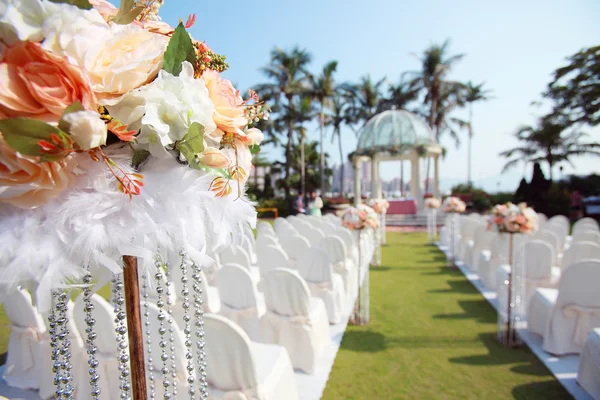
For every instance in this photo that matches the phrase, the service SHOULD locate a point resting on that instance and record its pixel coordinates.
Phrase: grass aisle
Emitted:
(431, 336)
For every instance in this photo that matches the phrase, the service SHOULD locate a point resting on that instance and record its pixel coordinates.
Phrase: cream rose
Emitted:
(255, 136)
(229, 106)
(213, 158)
(26, 182)
(86, 128)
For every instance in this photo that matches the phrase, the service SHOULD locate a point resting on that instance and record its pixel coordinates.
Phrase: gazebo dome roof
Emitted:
(394, 130)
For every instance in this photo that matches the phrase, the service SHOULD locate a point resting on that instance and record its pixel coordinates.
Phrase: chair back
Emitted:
(585, 224)
(21, 312)
(271, 257)
(178, 342)
(315, 266)
(335, 248)
(539, 258)
(549, 236)
(236, 255)
(579, 285)
(580, 251)
(228, 352)
(586, 236)
(286, 293)
(296, 246)
(236, 287)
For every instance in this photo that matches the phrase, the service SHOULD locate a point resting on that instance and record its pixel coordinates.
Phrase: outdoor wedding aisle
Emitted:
(431, 332)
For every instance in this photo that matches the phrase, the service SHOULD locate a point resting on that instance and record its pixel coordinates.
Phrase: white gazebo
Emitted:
(396, 135)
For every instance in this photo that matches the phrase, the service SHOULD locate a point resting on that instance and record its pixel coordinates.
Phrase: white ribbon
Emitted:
(583, 323)
(27, 337)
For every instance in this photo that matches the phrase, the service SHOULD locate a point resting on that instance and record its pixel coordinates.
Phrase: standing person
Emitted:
(315, 204)
(576, 208)
(299, 204)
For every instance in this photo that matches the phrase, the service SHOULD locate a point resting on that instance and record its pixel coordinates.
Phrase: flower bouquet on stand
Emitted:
(512, 220)
(380, 206)
(122, 151)
(431, 205)
(363, 220)
(453, 206)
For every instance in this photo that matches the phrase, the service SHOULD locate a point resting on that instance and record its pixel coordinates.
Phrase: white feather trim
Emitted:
(94, 224)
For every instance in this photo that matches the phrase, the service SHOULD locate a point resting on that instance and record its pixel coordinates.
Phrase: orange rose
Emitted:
(38, 84)
(229, 110)
(27, 183)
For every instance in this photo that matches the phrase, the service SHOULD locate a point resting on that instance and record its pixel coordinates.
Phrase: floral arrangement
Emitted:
(360, 217)
(118, 136)
(513, 218)
(454, 205)
(83, 80)
(433, 203)
(379, 205)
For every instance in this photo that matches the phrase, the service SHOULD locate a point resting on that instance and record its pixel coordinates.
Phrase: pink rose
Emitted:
(106, 9)
(229, 106)
(38, 84)
(27, 183)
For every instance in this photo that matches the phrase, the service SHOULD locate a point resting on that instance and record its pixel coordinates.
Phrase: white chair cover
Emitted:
(350, 241)
(244, 370)
(240, 300)
(263, 227)
(342, 264)
(106, 342)
(482, 243)
(560, 229)
(579, 251)
(271, 257)
(551, 237)
(470, 245)
(490, 261)
(249, 245)
(542, 219)
(238, 255)
(180, 361)
(585, 224)
(586, 236)
(588, 375)
(564, 317)
(296, 246)
(316, 269)
(24, 361)
(294, 318)
(210, 294)
(538, 257)
(266, 239)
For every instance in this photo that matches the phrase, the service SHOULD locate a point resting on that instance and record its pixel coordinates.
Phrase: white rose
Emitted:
(86, 128)
(23, 19)
(255, 136)
(171, 104)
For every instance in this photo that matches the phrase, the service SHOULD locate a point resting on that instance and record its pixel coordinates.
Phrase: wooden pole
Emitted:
(134, 328)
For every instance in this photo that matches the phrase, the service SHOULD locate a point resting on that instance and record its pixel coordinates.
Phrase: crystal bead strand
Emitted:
(54, 355)
(88, 307)
(122, 341)
(199, 323)
(65, 352)
(150, 366)
(185, 294)
(164, 357)
(169, 294)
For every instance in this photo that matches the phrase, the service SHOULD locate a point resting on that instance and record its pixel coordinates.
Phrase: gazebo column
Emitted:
(357, 188)
(436, 176)
(415, 181)
(375, 184)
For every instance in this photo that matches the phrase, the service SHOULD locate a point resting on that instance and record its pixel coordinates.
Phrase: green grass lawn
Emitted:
(431, 336)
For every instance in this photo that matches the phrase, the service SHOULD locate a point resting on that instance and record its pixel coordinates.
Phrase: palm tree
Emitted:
(323, 89)
(366, 98)
(474, 93)
(548, 142)
(399, 96)
(336, 117)
(287, 70)
(303, 112)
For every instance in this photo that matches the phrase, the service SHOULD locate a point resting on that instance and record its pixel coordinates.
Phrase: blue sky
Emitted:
(513, 46)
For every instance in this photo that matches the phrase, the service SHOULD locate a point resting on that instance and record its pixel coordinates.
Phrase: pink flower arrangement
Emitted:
(86, 80)
(360, 217)
(511, 218)
(454, 205)
(379, 205)
(433, 203)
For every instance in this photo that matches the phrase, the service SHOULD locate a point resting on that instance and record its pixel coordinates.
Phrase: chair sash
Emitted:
(583, 323)
(28, 338)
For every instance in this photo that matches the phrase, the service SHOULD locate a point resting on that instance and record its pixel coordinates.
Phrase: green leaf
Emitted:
(254, 149)
(23, 135)
(139, 156)
(128, 17)
(62, 124)
(192, 144)
(180, 49)
(83, 4)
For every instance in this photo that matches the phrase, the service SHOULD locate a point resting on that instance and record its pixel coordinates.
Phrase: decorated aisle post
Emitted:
(129, 157)
(512, 221)
(380, 206)
(363, 220)
(431, 205)
(453, 206)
